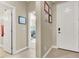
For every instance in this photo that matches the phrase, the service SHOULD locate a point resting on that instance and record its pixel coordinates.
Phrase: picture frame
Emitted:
(50, 19)
(21, 20)
(50, 11)
(46, 7)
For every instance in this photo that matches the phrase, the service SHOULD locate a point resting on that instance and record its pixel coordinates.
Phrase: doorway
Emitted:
(32, 30)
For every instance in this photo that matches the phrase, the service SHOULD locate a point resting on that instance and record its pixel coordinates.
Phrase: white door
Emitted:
(65, 21)
(7, 30)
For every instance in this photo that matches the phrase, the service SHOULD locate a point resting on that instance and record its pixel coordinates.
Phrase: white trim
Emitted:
(28, 31)
(14, 31)
(47, 52)
(57, 41)
(20, 50)
(13, 25)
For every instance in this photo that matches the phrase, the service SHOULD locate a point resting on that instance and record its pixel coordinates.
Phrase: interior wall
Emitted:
(21, 30)
(54, 31)
(31, 6)
(38, 29)
(46, 31)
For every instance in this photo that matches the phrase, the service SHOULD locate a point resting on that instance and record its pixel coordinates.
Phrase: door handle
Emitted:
(59, 29)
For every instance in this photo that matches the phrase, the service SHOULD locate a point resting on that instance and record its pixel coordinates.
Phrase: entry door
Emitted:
(7, 30)
(65, 26)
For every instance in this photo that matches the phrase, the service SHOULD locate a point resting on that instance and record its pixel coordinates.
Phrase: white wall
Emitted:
(38, 29)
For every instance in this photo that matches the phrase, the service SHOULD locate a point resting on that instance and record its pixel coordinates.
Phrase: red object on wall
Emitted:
(2, 30)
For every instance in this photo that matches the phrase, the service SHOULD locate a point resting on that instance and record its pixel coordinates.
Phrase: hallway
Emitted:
(61, 53)
(28, 29)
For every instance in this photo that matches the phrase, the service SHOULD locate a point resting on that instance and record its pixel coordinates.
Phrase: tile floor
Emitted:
(61, 53)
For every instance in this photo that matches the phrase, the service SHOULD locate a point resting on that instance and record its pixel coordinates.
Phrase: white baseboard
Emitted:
(20, 50)
(47, 52)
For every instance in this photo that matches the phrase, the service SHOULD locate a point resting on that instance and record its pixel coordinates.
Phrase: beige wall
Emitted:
(46, 29)
(46, 32)
(21, 30)
(31, 6)
(54, 24)
(38, 29)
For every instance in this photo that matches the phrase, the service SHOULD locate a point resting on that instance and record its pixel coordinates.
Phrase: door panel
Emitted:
(7, 31)
(65, 20)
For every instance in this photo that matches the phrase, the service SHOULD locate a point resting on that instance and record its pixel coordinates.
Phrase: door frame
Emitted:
(28, 30)
(13, 26)
(57, 28)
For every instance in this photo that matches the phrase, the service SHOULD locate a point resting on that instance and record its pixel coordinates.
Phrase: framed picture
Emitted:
(46, 7)
(50, 11)
(21, 20)
(50, 19)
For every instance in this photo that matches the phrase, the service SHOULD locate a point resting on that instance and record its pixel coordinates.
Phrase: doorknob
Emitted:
(59, 30)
